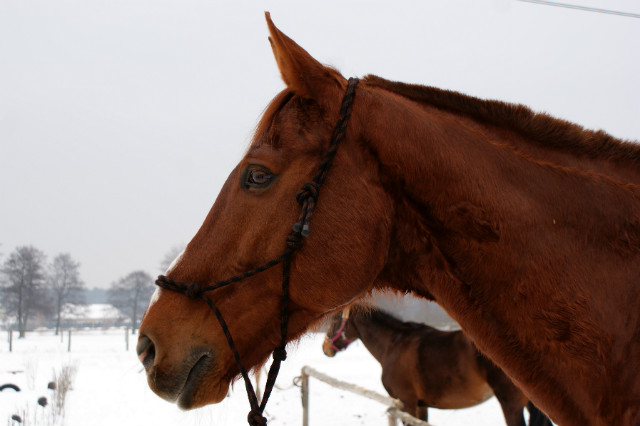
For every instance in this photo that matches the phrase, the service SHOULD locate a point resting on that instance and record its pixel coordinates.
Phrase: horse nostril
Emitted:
(146, 351)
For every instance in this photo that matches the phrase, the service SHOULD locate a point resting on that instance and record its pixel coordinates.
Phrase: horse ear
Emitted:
(302, 74)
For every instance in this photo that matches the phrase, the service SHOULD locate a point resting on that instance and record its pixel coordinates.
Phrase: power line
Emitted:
(584, 8)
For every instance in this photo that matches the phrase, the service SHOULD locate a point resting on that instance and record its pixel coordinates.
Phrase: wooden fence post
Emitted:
(126, 337)
(69, 343)
(10, 340)
(392, 418)
(304, 393)
(406, 418)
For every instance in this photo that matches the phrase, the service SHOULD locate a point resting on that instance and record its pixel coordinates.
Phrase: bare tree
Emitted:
(170, 256)
(23, 285)
(65, 283)
(131, 295)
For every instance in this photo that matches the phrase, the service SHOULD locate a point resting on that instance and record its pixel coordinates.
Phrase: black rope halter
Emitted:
(307, 198)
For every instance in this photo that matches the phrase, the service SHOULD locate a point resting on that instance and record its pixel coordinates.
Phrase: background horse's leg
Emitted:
(537, 417)
(511, 399)
(422, 412)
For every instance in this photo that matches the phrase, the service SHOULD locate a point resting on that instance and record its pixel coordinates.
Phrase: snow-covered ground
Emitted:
(110, 387)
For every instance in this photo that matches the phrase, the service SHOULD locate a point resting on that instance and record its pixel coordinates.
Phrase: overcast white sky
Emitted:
(120, 119)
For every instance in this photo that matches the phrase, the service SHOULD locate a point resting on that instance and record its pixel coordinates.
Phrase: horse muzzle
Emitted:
(328, 348)
(187, 379)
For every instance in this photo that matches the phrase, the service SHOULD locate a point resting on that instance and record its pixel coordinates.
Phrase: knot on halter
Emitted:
(255, 418)
(307, 198)
(294, 241)
(193, 291)
(308, 190)
(279, 354)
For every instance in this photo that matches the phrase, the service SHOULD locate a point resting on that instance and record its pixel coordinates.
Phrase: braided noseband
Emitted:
(307, 198)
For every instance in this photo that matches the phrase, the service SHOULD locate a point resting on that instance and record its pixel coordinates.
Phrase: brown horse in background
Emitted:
(426, 367)
(525, 228)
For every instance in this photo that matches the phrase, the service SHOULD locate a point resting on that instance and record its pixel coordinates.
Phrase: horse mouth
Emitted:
(328, 350)
(191, 384)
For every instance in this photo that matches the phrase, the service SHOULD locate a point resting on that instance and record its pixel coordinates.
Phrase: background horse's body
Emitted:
(425, 367)
(526, 229)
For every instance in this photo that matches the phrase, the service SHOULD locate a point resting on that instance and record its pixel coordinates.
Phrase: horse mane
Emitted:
(540, 128)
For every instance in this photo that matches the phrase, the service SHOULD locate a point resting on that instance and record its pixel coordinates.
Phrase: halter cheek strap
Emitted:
(307, 198)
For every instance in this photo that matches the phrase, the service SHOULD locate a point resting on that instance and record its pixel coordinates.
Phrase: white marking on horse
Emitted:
(154, 298)
(156, 294)
(175, 262)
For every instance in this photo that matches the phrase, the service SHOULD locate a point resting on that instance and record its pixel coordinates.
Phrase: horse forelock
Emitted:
(295, 115)
(268, 116)
(539, 128)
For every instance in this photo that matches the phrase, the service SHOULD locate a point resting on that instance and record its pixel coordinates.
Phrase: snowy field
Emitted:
(110, 387)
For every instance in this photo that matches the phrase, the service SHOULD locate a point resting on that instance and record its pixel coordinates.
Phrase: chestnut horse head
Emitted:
(525, 228)
(186, 354)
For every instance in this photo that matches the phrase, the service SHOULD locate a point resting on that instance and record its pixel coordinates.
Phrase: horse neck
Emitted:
(378, 335)
(479, 222)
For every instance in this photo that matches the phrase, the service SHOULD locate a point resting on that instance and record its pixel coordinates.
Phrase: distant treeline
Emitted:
(96, 295)
(31, 287)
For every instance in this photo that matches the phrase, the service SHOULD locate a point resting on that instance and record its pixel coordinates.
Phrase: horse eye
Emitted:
(256, 178)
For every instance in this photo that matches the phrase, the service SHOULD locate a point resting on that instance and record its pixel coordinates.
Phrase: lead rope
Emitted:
(307, 198)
